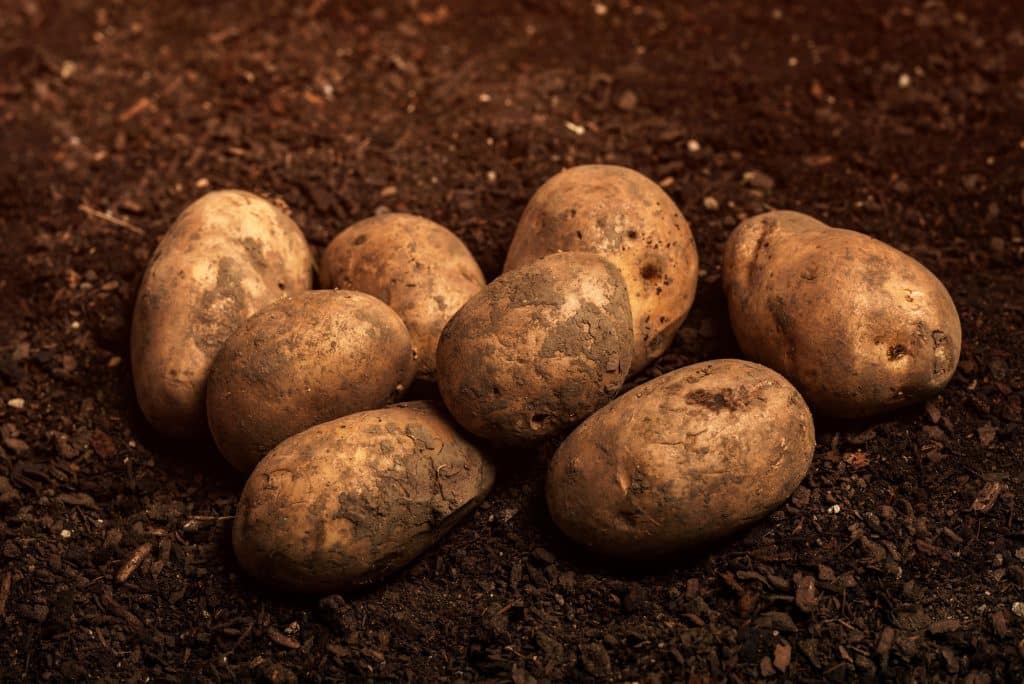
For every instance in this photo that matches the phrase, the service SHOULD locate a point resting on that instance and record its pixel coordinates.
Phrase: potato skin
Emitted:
(345, 503)
(228, 254)
(419, 268)
(687, 458)
(858, 326)
(537, 350)
(301, 361)
(627, 218)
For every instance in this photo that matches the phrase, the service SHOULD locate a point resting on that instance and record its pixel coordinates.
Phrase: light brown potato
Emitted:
(858, 326)
(348, 502)
(301, 361)
(687, 458)
(537, 350)
(627, 218)
(229, 254)
(419, 268)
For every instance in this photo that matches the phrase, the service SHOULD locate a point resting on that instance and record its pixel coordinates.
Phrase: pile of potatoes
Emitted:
(301, 389)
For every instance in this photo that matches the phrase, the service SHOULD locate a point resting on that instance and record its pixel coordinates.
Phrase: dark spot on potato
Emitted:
(360, 239)
(254, 250)
(632, 235)
(716, 401)
(782, 319)
(221, 309)
(650, 271)
(897, 351)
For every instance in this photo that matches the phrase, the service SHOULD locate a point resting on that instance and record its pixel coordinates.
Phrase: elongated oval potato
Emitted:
(537, 350)
(419, 268)
(687, 458)
(301, 361)
(345, 503)
(229, 254)
(627, 218)
(858, 326)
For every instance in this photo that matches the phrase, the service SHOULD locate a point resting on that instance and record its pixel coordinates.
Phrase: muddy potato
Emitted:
(687, 458)
(537, 350)
(304, 360)
(858, 326)
(419, 268)
(626, 217)
(228, 254)
(345, 503)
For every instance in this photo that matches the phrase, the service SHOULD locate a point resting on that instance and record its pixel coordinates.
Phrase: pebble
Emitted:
(627, 101)
(575, 128)
(710, 203)
(16, 403)
(1018, 608)
(759, 180)
(694, 147)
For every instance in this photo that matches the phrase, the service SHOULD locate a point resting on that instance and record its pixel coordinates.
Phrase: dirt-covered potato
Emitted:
(858, 326)
(687, 458)
(419, 268)
(347, 502)
(229, 254)
(626, 217)
(537, 350)
(301, 361)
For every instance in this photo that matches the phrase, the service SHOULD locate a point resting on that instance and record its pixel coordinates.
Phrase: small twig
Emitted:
(192, 524)
(5, 592)
(133, 622)
(281, 639)
(103, 216)
(133, 562)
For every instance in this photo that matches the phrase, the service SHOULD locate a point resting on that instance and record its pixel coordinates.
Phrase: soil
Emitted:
(902, 554)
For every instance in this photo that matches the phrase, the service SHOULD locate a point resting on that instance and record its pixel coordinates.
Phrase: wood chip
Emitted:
(885, 641)
(77, 499)
(5, 592)
(987, 497)
(806, 593)
(783, 656)
(281, 639)
(133, 562)
(986, 434)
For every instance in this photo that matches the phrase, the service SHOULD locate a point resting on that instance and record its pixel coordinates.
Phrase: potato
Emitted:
(859, 327)
(418, 267)
(680, 461)
(302, 361)
(229, 254)
(347, 502)
(537, 350)
(627, 218)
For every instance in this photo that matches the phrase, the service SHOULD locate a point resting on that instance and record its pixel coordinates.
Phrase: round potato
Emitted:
(302, 361)
(418, 267)
(347, 502)
(627, 218)
(229, 254)
(537, 350)
(858, 326)
(680, 461)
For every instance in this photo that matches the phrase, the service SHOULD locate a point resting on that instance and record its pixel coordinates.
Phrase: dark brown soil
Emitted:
(901, 556)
